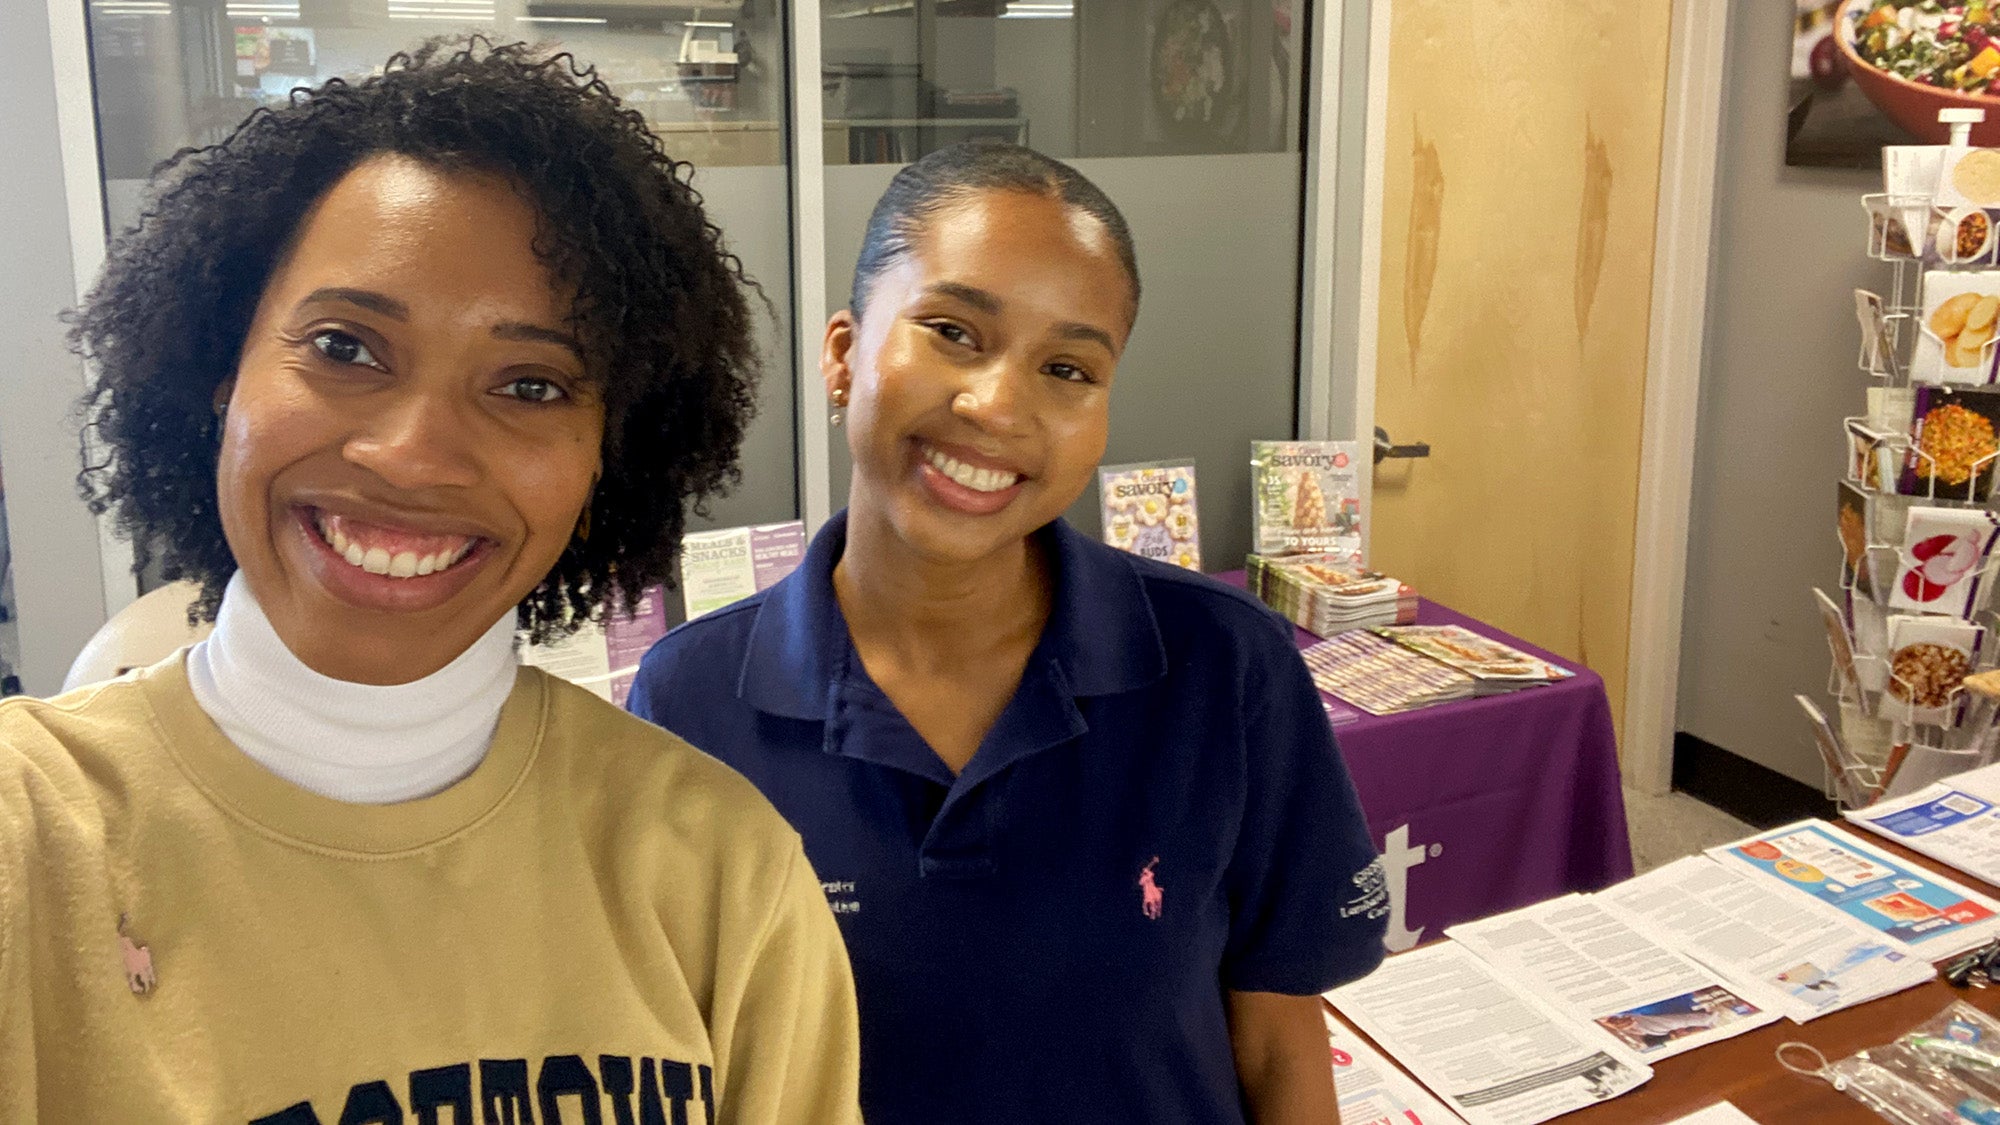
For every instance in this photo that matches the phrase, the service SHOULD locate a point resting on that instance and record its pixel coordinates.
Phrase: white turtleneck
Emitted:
(359, 743)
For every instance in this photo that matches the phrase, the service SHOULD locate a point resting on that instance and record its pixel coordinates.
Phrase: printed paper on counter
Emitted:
(1491, 1050)
(1597, 967)
(1721, 1113)
(1955, 822)
(1372, 1090)
(1925, 914)
(1808, 962)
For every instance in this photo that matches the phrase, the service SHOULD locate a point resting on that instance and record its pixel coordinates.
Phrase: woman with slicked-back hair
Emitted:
(1080, 815)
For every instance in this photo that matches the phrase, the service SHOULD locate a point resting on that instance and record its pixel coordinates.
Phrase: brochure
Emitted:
(1596, 967)
(1149, 510)
(1807, 962)
(1381, 677)
(1945, 554)
(1475, 654)
(1924, 914)
(1372, 1090)
(582, 658)
(1306, 499)
(726, 566)
(1955, 822)
(1325, 596)
(1953, 444)
(1486, 1045)
(628, 636)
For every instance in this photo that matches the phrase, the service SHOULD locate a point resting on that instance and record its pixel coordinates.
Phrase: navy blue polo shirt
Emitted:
(1158, 816)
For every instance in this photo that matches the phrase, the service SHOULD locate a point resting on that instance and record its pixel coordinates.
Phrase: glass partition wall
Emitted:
(1187, 113)
(710, 78)
(1199, 117)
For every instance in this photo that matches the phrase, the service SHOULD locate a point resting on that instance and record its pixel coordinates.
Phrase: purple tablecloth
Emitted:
(1485, 805)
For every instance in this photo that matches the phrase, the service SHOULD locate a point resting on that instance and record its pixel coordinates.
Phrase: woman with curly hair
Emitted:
(388, 371)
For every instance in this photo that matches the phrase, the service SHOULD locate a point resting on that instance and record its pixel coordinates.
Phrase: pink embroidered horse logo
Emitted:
(138, 962)
(1151, 898)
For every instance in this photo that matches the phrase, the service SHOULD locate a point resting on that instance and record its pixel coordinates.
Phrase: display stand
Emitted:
(1899, 723)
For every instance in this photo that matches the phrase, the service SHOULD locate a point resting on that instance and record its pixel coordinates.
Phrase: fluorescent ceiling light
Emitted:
(1030, 10)
(561, 19)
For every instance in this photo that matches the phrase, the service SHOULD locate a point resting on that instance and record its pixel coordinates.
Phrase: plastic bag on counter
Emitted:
(1945, 1071)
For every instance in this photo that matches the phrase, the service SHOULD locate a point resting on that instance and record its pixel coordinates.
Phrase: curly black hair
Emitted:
(661, 304)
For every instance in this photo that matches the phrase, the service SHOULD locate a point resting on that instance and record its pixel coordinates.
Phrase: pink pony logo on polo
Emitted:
(1152, 899)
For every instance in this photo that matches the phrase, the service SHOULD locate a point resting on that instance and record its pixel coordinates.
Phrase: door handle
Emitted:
(1385, 448)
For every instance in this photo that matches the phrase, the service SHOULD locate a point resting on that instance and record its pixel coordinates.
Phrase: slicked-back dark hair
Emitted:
(661, 304)
(952, 174)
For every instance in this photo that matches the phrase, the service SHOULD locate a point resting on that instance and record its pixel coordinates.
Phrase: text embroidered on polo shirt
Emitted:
(835, 888)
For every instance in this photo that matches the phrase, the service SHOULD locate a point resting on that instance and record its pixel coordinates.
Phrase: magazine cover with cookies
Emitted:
(1149, 510)
(1307, 498)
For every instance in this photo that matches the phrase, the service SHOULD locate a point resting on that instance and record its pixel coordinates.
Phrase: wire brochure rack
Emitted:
(1913, 633)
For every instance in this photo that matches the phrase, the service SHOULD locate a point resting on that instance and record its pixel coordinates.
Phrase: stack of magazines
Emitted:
(1324, 595)
(1380, 676)
(1495, 668)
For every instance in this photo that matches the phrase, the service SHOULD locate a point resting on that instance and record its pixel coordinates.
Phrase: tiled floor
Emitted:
(1666, 828)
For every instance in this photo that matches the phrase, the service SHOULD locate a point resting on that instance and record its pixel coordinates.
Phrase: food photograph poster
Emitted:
(1869, 73)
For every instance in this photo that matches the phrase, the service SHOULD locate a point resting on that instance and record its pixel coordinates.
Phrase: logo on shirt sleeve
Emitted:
(840, 896)
(1152, 898)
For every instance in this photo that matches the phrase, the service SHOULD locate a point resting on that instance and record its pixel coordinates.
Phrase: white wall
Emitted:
(1778, 377)
(54, 538)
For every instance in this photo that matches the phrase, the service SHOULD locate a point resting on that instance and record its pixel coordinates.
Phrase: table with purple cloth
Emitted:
(1484, 805)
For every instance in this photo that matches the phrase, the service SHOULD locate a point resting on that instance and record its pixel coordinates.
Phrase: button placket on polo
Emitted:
(1041, 716)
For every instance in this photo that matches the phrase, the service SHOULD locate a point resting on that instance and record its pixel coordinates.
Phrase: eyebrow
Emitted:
(536, 334)
(990, 304)
(397, 310)
(365, 298)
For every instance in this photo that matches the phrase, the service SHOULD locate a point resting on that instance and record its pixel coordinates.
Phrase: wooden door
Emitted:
(1520, 179)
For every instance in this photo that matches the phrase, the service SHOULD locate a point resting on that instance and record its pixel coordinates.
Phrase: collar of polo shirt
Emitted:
(1101, 638)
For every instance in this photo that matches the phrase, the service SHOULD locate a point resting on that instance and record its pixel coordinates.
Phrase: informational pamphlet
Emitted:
(726, 566)
(582, 658)
(1955, 822)
(1149, 510)
(1372, 1090)
(1306, 498)
(1487, 1046)
(1807, 961)
(605, 658)
(628, 636)
(1595, 966)
(1382, 677)
(1924, 914)
(1477, 655)
(716, 570)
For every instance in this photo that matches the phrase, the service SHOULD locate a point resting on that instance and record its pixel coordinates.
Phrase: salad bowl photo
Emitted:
(1916, 57)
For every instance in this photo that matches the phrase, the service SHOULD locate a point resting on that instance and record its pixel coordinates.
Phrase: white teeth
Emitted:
(378, 560)
(976, 479)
